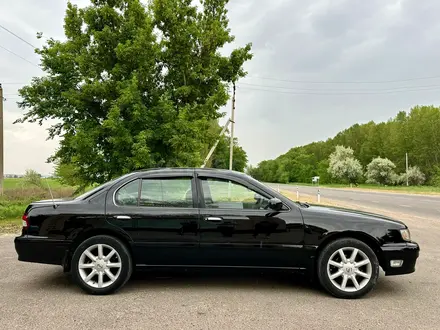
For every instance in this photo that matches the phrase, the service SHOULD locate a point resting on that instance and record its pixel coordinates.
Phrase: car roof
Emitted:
(187, 170)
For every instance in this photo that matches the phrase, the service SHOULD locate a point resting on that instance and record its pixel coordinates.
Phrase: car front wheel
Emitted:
(101, 265)
(348, 268)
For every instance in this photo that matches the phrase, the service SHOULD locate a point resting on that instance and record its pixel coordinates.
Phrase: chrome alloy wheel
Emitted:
(99, 265)
(349, 269)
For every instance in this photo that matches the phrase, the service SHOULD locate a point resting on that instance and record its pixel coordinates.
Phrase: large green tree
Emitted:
(135, 86)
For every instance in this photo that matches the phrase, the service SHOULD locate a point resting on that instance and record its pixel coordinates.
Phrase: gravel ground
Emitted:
(37, 296)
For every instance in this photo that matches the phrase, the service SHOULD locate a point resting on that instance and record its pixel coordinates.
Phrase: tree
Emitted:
(343, 166)
(415, 176)
(31, 177)
(134, 86)
(220, 158)
(381, 171)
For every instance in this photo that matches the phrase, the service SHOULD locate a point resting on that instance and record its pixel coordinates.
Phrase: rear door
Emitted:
(164, 216)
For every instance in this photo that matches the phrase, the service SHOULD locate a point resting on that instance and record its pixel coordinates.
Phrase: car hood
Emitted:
(347, 213)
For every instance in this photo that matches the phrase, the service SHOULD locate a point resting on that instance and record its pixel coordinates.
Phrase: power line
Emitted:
(344, 82)
(14, 83)
(15, 54)
(339, 90)
(336, 94)
(17, 36)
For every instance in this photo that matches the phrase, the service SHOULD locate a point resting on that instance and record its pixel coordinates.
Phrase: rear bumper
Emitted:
(41, 250)
(408, 252)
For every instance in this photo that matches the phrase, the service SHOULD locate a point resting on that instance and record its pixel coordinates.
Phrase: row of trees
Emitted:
(344, 167)
(136, 85)
(415, 132)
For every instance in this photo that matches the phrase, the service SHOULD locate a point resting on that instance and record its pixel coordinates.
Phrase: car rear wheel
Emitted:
(101, 265)
(348, 268)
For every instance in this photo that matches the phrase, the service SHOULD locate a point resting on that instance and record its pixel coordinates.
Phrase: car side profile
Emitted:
(192, 217)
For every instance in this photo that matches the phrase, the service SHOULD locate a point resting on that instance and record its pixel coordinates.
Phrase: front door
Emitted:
(238, 229)
(164, 217)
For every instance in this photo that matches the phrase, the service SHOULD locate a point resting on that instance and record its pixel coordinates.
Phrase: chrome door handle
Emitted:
(123, 217)
(214, 219)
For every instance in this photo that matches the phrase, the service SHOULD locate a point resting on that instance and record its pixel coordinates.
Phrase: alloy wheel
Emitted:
(99, 265)
(349, 269)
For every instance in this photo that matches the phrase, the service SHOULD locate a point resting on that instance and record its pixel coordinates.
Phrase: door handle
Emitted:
(123, 217)
(214, 219)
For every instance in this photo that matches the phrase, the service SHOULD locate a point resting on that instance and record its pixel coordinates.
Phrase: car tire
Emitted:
(109, 275)
(349, 278)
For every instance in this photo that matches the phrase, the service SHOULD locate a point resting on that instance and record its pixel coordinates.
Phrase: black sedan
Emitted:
(186, 217)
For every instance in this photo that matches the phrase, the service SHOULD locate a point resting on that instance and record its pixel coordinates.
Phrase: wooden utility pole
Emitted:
(1, 140)
(406, 161)
(231, 151)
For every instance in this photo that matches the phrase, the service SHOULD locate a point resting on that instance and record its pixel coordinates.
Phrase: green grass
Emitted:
(18, 194)
(13, 183)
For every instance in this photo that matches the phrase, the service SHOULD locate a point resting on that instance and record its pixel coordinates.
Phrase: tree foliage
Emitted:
(414, 132)
(343, 166)
(381, 171)
(221, 155)
(135, 86)
(32, 177)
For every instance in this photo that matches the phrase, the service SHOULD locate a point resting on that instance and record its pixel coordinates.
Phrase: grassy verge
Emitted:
(18, 194)
(430, 190)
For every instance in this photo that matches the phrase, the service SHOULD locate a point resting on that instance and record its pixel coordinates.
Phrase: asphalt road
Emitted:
(35, 296)
(420, 206)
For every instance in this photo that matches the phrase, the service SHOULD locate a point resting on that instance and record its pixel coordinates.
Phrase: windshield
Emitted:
(100, 187)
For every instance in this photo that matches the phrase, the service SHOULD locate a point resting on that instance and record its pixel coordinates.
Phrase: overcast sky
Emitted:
(319, 66)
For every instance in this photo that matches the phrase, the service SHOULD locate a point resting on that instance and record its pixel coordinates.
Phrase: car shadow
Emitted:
(201, 279)
(159, 280)
(219, 279)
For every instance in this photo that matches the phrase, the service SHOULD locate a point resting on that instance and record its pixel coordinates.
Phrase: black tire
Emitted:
(323, 260)
(125, 259)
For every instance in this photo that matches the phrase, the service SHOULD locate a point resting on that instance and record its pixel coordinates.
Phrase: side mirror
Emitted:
(275, 204)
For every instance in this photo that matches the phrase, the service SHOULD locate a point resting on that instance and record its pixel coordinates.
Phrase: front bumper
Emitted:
(41, 249)
(408, 252)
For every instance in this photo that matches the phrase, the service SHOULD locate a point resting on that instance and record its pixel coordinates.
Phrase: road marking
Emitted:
(404, 205)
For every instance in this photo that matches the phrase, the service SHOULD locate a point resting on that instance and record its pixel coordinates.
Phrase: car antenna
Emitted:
(51, 195)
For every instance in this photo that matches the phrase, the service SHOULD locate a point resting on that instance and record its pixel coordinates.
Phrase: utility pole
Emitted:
(1, 141)
(231, 151)
(406, 156)
(216, 143)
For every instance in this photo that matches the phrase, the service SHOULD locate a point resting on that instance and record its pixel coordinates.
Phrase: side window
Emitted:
(128, 194)
(224, 194)
(169, 192)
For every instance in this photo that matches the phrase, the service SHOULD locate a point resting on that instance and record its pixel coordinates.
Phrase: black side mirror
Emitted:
(275, 204)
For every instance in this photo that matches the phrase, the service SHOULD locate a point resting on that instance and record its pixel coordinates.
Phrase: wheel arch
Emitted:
(361, 236)
(86, 234)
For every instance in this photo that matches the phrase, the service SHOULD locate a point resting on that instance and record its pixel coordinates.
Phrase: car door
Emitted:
(238, 229)
(164, 218)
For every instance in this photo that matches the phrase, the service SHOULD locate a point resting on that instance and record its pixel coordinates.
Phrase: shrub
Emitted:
(381, 171)
(415, 176)
(343, 166)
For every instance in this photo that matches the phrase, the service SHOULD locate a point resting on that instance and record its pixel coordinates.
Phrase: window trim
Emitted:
(191, 178)
(119, 188)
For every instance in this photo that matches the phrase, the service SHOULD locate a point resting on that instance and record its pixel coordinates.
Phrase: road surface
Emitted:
(420, 206)
(35, 296)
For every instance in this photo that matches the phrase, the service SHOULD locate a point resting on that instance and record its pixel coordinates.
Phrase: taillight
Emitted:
(25, 220)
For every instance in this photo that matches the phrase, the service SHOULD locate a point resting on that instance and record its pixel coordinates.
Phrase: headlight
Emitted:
(405, 234)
